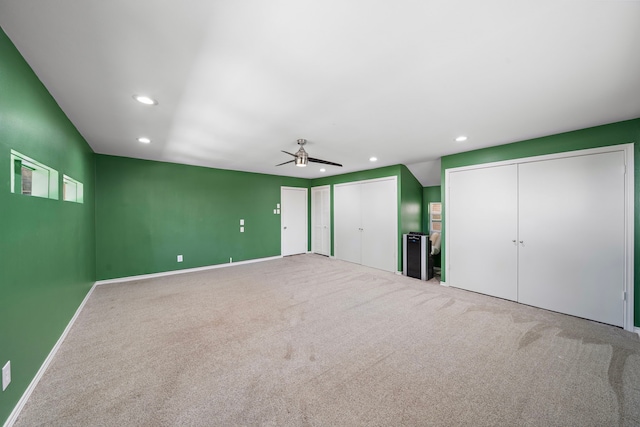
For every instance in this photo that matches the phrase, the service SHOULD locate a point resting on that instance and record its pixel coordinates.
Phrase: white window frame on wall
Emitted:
(44, 179)
(72, 190)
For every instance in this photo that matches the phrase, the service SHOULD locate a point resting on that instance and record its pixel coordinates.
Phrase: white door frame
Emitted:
(306, 219)
(628, 296)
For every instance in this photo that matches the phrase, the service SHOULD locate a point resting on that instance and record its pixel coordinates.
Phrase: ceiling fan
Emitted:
(302, 158)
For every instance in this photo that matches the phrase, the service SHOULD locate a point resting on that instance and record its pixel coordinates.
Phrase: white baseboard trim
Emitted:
(444, 284)
(186, 270)
(27, 393)
(636, 330)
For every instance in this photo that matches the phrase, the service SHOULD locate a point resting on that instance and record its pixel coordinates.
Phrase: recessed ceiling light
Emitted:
(143, 99)
(323, 170)
(144, 140)
(461, 138)
(373, 159)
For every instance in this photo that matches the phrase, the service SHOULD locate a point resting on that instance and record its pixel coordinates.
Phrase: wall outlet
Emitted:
(179, 258)
(242, 222)
(242, 229)
(6, 375)
(230, 260)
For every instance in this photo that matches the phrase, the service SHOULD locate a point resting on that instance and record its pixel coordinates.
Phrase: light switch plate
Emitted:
(278, 205)
(179, 258)
(242, 229)
(242, 222)
(6, 375)
(277, 211)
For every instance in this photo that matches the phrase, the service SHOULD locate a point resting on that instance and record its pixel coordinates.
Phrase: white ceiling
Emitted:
(239, 80)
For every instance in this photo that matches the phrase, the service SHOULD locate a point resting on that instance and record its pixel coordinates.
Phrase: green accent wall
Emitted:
(409, 197)
(599, 136)
(410, 202)
(47, 249)
(149, 212)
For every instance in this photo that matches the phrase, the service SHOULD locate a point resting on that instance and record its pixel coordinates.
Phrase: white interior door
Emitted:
(482, 227)
(380, 224)
(321, 220)
(293, 219)
(572, 216)
(347, 217)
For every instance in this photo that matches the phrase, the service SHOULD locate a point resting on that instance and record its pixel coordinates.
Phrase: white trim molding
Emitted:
(637, 331)
(186, 270)
(34, 382)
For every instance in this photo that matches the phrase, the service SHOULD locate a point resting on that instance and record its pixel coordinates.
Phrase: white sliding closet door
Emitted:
(482, 227)
(380, 224)
(347, 217)
(572, 218)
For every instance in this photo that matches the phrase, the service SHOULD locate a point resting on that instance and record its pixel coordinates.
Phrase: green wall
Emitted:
(149, 212)
(47, 262)
(409, 197)
(600, 136)
(410, 203)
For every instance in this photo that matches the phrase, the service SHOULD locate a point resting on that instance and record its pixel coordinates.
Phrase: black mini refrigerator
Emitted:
(417, 260)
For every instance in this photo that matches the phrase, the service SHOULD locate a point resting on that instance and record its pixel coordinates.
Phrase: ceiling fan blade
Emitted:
(290, 161)
(311, 159)
(291, 154)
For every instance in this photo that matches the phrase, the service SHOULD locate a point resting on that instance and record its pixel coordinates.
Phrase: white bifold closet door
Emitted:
(482, 228)
(547, 233)
(321, 220)
(572, 232)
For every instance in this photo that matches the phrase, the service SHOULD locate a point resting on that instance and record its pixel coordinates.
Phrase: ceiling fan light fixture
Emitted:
(301, 161)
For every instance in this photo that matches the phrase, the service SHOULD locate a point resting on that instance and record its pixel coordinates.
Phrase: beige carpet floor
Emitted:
(310, 341)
